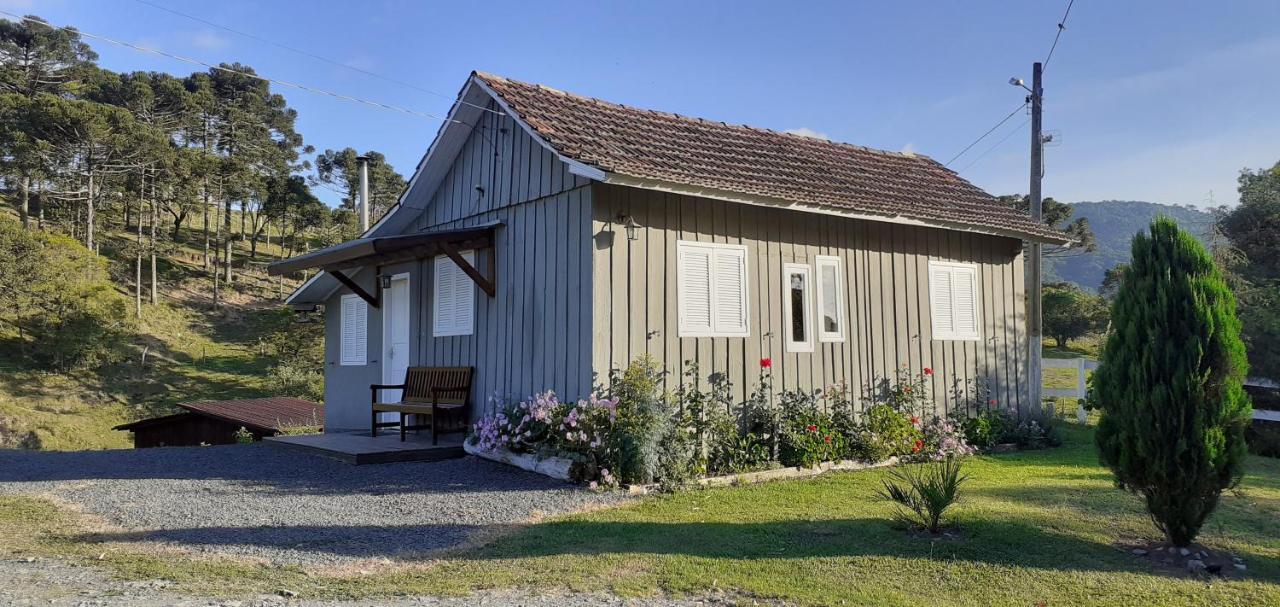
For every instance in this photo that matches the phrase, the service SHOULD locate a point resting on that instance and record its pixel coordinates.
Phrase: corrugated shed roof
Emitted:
(273, 413)
(663, 147)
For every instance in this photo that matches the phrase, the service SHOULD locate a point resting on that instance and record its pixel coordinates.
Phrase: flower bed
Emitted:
(632, 434)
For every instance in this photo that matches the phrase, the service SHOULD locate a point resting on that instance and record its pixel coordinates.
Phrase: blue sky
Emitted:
(1161, 101)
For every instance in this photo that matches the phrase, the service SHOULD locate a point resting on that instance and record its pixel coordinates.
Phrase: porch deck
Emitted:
(359, 448)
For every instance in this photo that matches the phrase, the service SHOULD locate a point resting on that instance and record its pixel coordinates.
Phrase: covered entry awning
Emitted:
(384, 250)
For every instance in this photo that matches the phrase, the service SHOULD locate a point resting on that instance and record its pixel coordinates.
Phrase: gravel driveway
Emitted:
(286, 507)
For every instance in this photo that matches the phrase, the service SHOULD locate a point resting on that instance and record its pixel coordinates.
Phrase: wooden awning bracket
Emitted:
(346, 281)
(486, 283)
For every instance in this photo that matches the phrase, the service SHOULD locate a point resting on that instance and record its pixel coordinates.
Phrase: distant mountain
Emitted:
(1114, 222)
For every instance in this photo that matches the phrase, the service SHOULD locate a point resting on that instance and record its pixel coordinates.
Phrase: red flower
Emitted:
(906, 389)
(828, 439)
(813, 428)
(918, 446)
(766, 363)
(915, 421)
(993, 402)
(928, 371)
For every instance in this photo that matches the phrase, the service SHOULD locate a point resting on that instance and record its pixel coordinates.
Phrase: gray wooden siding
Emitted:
(506, 162)
(886, 297)
(534, 334)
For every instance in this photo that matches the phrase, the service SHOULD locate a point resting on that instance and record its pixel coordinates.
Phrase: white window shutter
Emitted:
(953, 294)
(730, 292)
(694, 290)
(453, 298)
(355, 332)
(940, 296)
(963, 285)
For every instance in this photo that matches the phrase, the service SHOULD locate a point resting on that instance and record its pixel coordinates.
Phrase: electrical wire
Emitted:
(997, 144)
(294, 85)
(306, 53)
(1062, 26)
(986, 134)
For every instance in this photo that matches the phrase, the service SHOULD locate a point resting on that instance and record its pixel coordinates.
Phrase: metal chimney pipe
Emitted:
(364, 193)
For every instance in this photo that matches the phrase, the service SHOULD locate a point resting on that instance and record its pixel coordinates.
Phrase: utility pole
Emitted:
(364, 193)
(1035, 330)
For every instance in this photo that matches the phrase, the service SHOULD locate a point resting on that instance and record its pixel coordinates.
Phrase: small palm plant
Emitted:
(924, 492)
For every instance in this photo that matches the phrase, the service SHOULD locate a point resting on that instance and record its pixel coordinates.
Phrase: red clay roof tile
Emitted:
(647, 144)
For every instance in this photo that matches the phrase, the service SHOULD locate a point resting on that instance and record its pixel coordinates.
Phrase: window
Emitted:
(830, 299)
(798, 303)
(454, 299)
(712, 289)
(355, 332)
(953, 294)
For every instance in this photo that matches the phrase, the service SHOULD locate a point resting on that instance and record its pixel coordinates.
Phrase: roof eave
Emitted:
(729, 196)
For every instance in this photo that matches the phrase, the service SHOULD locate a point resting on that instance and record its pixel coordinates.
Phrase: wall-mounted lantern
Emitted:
(386, 281)
(630, 224)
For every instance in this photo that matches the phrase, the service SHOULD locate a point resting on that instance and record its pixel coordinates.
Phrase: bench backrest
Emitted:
(454, 384)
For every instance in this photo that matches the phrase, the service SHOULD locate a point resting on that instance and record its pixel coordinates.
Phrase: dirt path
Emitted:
(26, 583)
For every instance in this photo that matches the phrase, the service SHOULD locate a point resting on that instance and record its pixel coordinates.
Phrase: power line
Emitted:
(302, 87)
(997, 144)
(1062, 27)
(306, 53)
(986, 134)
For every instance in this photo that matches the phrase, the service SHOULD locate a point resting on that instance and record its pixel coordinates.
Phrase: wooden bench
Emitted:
(442, 394)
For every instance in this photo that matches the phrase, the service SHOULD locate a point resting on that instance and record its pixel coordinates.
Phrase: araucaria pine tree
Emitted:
(1170, 384)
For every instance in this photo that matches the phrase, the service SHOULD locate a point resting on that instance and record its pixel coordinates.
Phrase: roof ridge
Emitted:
(798, 137)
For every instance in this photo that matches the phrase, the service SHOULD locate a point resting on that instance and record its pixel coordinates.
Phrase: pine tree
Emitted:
(1170, 383)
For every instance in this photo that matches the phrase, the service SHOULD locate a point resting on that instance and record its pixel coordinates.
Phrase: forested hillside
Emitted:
(140, 210)
(1114, 222)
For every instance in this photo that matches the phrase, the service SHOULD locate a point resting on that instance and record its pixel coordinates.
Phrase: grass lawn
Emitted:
(1035, 528)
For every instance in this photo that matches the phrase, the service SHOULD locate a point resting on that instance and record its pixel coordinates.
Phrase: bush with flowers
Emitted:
(631, 432)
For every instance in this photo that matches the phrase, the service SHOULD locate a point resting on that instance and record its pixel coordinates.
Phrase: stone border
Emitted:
(559, 467)
(773, 474)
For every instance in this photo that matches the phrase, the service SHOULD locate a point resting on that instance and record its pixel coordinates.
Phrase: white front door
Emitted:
(395, 338)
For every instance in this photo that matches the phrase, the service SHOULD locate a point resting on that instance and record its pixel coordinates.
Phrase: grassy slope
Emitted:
(191, 354)
(1036, 528)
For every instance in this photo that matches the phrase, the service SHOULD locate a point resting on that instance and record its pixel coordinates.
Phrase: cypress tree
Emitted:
(1170, 387)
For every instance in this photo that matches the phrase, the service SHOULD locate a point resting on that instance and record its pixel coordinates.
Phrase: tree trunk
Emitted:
(137, 263)
(24, 210)
(226, 239)
(88, 217)
(217, 259)
(40, 209)
(155, 218)
(206, 222)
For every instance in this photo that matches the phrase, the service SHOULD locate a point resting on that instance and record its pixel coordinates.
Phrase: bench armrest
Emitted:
(385, 386)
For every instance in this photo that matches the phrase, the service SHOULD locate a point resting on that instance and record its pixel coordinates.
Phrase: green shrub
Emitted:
(641, 424)
(1264, 438)
(243, 436)
(887, 433)
(924, 492)
(1169, 385)
(58, 298)
(292, 379)
(986, 428)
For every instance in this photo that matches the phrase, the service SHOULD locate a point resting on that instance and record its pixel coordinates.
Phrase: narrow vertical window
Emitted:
(798, 307)
(830, 299)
